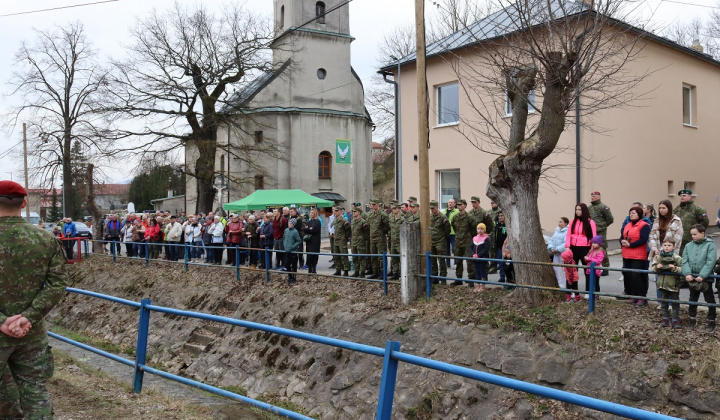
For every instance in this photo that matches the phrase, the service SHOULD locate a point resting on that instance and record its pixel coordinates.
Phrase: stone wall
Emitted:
(331, 383)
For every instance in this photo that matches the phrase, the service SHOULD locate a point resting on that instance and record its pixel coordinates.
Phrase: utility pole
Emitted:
(423, 131)
(27, 183)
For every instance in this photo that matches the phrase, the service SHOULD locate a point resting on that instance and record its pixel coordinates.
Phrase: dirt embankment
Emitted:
(621, 354)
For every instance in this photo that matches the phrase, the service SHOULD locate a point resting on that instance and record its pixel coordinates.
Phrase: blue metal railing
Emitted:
(592, 280)
(391, 357)
(265, 252)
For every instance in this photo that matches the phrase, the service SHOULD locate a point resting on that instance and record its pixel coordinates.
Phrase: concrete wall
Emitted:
(639, 150)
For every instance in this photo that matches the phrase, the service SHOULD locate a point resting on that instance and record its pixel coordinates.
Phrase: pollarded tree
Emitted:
(550, 50)
(56, 86)
(182, 67)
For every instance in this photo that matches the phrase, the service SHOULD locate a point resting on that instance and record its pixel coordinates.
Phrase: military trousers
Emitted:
(377, 247)
(435, 261)
(463, 251)
(360, 263)
(24, 371)
(341, 260)
(395, 261)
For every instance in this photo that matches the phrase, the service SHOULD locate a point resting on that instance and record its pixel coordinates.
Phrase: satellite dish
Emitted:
(131, 207)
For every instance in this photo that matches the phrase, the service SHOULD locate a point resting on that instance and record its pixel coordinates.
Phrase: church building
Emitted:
(310, 110)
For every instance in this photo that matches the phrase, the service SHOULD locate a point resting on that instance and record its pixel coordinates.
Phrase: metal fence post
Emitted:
(237, 262)
(112, 245)
(428, 273)
(387, 382)
(147, 254)
(384, 273)
(141, 347)
(593, 281)
(185, 250)
(267, 265)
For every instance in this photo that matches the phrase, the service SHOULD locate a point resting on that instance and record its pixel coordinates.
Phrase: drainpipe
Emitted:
(398, 144)
(577, 119)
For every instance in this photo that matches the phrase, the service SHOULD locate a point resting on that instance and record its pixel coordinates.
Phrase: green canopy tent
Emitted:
(262, 199)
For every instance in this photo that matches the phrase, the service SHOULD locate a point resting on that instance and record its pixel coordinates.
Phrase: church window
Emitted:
(282, 16)
(324, 165)
(222, 164)
(320, 12)
(258, 137)
(259, 182)
(321, 73)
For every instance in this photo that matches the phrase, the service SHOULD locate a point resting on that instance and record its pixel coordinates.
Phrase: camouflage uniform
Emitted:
(439, 231)
(465, 229)
(379, 225)
(342, 233)
(690, 214)
(601, 215)
(482, 216)
(358, 240)
(33, 280)
(395, 223)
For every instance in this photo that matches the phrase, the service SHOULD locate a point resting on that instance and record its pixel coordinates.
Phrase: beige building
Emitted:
(310, 101)
(649, 150)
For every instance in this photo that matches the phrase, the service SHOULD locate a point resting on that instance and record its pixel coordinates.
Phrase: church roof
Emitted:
(243, 96)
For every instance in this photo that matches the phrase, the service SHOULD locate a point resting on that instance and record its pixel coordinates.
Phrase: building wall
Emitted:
(643, 151)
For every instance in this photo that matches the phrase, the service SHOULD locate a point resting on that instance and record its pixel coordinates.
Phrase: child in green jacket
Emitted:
(698, 260)
(665, 263)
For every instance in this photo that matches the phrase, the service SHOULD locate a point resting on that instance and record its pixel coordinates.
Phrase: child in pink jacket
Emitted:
(571, 275)
(595, 255)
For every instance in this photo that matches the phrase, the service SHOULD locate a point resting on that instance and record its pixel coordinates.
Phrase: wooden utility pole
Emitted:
(27, 183)
(423, 130)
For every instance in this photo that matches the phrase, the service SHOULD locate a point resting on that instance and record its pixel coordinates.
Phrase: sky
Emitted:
(107, 22)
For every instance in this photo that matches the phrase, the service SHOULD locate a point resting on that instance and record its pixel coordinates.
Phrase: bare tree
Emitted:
(57, 82)
(182, 68)
(697, 32)
(549, 51)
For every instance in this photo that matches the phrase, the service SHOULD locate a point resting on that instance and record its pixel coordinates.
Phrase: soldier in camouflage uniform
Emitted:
(690, 214)
(439, 231)
(379, 224)
(414, 214)
(342, 234)
(601, 215)
(396, 220)
(465, 229)
(410, 202)
(358, 240)
(32, 263)
(480, 215)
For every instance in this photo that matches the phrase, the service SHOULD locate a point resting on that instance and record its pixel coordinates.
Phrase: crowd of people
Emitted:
(457, 231)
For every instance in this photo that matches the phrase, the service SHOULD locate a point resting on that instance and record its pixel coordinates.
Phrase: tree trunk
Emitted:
(514, 185)
(97, 226)
(204, 172)
(68, 190)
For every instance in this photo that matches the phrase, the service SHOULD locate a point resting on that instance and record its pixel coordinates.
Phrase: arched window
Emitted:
(222, 164)
(324, 159)
(320, 12)
(282, 17)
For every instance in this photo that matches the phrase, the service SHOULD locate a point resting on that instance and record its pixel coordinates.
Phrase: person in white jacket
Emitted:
(174, 238)
(217, 230)
(556, 246)
(126, 236)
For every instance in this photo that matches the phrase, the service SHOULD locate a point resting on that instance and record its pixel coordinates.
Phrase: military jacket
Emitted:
(439, 229)
(342, 230)
(379, 224)
(395, 223)
(465, 229)
(601, 215)
(32, 275)
(691, 214)
(360, 231)
(483, 216)
(413, 218)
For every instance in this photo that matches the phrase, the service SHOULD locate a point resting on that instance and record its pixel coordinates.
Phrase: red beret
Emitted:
(12, 189)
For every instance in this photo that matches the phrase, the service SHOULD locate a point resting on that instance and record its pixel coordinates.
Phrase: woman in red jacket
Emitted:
(580, 232)
(152, 236)
(634, 254)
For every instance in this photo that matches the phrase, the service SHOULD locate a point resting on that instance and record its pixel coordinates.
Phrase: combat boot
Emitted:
(356, 274)
(345, 273)
(710, 326)
(337, 272)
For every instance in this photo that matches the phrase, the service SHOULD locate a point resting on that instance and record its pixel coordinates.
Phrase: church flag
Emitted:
(343, 151)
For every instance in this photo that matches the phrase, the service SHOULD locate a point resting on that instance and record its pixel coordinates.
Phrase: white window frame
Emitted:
(691, 111)
(438, 95)
(443, 204)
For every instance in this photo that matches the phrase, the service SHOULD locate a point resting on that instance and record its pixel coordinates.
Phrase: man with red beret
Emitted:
(33, 282)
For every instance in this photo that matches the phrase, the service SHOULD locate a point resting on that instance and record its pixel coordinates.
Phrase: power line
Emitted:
(7, 152)
(58, 8)
(690, 4)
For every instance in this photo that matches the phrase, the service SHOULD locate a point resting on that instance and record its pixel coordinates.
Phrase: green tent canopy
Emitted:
(262, 199)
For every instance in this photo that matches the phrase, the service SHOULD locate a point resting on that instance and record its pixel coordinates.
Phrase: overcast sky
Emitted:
(107, 23)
